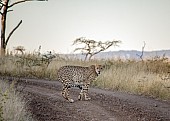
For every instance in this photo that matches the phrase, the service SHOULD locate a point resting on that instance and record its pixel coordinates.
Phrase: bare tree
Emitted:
(6, 7)
(141, 56)
(92, 47)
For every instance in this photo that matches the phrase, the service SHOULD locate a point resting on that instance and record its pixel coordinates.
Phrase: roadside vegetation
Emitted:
(146, 77)
(12, 106)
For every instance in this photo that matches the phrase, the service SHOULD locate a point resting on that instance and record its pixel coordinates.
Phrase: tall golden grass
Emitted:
(149, 77)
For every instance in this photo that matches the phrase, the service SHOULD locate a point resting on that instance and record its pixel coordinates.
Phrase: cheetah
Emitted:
(77, 76)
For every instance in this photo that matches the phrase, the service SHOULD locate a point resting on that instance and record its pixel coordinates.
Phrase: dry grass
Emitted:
(13, 107)
(149, 77)
(138, 78)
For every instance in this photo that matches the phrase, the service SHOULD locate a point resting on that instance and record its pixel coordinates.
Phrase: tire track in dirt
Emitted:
(46, 104)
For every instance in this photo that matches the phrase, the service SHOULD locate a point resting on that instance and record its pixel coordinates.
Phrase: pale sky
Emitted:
(57, 23)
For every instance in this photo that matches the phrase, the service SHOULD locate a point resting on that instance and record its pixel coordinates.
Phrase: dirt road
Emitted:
(46, 104)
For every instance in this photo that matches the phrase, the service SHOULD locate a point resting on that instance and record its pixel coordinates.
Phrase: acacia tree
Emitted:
(92, 47)
(20, 49)
(6, 7)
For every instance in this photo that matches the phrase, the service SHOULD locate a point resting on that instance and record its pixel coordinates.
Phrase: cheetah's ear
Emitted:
(93, 66)
(103, 66)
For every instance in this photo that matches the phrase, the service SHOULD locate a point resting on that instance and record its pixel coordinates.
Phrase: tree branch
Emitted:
(9, 10)
(15, 3)
(12, 32)
(1, 3)
(79, 49)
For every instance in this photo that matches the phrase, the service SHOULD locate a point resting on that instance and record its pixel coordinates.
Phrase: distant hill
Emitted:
(127, 54)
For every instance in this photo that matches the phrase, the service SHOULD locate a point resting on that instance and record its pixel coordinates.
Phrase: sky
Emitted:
(57, 23)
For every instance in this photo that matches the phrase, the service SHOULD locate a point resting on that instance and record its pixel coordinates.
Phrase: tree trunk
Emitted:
(3, 27)
(2, 52)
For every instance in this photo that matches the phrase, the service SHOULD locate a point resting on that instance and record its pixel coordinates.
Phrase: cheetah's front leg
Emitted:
(84, 93)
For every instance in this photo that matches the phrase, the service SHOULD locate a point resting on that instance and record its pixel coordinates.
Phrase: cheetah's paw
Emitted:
(71, 100)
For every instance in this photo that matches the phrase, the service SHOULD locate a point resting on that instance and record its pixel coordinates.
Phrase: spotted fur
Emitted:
(77, 76)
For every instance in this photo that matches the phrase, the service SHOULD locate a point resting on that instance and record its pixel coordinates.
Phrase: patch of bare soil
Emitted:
(46, 103)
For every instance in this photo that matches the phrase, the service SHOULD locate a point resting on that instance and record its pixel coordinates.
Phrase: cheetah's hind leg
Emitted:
(65, 94)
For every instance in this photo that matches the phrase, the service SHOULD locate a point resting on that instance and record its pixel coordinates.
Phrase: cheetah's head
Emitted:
(98, 69)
